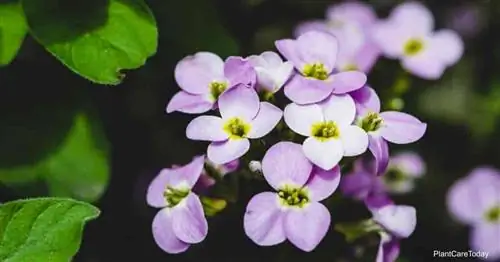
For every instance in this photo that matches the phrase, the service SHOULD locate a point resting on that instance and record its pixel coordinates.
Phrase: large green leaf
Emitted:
(94, 38)
(12, 30)
(43, 229)
(78, 167)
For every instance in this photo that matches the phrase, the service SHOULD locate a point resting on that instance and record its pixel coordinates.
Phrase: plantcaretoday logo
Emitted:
(459, 254)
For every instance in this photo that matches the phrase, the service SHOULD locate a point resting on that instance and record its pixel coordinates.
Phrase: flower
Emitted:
(272, 72)
(329, 130)
(203, 77)
(402, 171)
(243, 117)
(314, 55)
(398, 221)
(212, 170)
(294, 212)
(181, 221)
(475, 200)
(408, 35)
(391, 126)
(351, 23)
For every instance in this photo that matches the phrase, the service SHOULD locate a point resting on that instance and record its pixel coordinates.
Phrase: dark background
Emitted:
(144, 138)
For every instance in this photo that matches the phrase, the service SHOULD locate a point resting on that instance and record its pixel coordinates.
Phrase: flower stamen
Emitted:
(315, 70)
(174, 196)
(493, 215)
(371, 122)
(413, 47)
(325, 130)
(236, 128)
(217, 88)
(292, 196)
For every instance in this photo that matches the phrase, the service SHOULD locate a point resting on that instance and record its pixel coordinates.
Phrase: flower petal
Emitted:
(410, 163)
(188, 220)
(358, 12)
(357, 185)
(318, 47)
(263, 220)
(380, 151)
(413, 17)
(313, 25)
(303, 90)
(240, 101)
(366, 100)
(306, 227)
(366, 57)
(300, 118)
(322, 183)
(154, 195)
(388, 250)
(194, 73)
(265, 80)
(398, 220)
(187, 103)
(272, 59)
(448, 46)
(187, 174)
(401, 128)
(290, 50)
(485, 238)
(390, 38)
(281, 75)
(239, 71)
(206, 128)
(164, 235)
(354, 140)
(227, 151)
(325, 154)
(425, 65)
(267, 118)
(285, 163)
(345, 82)
(377, 200)
(339, 108)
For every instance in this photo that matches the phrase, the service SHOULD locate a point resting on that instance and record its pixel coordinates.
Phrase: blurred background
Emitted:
(61, 135)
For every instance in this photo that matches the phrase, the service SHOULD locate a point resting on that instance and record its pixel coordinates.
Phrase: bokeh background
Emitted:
(105, 144)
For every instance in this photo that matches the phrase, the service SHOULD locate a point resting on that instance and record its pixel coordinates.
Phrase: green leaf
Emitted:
(12, 30)
(42, 229)
(94, 38)
(78, 167)
(356, 230)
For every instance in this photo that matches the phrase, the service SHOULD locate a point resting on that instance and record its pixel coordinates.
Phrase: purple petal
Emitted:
(229, 167)
(358, 12)
(301, 118)
(224, 152)
(285, 163)
(206, 128)
(388, 250)
(398, 220)
(164, 235)
(203, 184)
(366, 100)
(325, 154)
(425, 66)
(357, 185)
(354, 140)
(263, 220)
(318, 47)
(188, 174)
(380, 151)
(323, 183)
(414, 17)
(240, 101)
(306, 227)
(272, 59)
(390, 38)
(447, 46)
(308, 26)
(188, 103)
(339, 108)
(367, 56)
(346, 82)
(154, 195)
(239, 71)
(195, 73)
(401, 128)
(188, 220)
(485, 238)
(290, 50)
(377, 200)
(303, 90)
(410, 163)
(267, 118)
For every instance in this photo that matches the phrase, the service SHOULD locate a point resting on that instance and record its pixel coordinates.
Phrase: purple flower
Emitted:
(408, 35)
(294, 212)
(314, 56)
(243, 117)
(392, 126)
(181, 221)
(329, 130)
(351, 23)
(475, 201)
(388, 249)
(467, 19)
(402, 171)
(272, 72)
(203, 77)
(206, 181)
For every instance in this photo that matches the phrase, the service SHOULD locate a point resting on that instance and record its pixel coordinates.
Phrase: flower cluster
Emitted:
(333, 116)
(475, 201)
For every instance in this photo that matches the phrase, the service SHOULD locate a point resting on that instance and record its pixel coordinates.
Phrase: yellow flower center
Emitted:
(173, 196)
(316, 71)
(371, 122)
(217, 88)
(292, 196)
(236, 128)
(324, 131)
(413, 47)
(493, 215)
